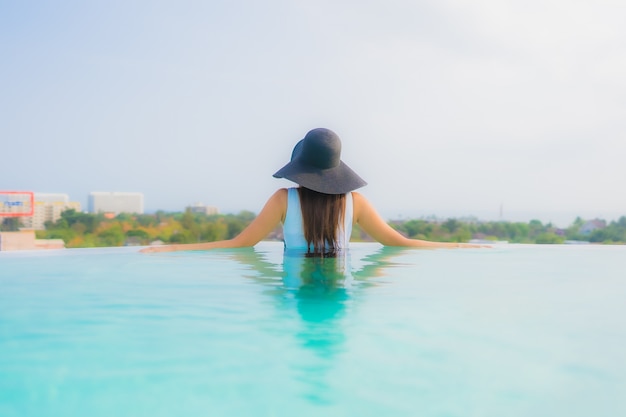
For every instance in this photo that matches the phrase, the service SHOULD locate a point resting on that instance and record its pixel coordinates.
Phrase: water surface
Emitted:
(515, 330)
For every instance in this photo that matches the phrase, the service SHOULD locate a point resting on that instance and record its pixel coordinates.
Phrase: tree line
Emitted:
(79, 230)
(82, 230)
(453, 230)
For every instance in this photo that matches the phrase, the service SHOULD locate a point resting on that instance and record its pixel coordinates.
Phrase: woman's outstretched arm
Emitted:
(273, 213)
(370, 221)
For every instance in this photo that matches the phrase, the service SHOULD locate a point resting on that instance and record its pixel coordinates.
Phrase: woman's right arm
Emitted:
(370, 221)
(272, 214)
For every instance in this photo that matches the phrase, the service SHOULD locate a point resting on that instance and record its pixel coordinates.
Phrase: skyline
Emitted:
(445, 108)
(560, 219)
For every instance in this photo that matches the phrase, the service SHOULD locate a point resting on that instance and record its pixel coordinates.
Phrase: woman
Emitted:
(317, 216)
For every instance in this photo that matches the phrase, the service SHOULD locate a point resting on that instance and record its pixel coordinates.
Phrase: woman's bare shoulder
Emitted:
(279, 201)
(359, 200)
(358, 197)
(360, 206)
(280, 194)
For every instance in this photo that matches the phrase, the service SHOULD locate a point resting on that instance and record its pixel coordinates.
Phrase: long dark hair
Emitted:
(321, 216)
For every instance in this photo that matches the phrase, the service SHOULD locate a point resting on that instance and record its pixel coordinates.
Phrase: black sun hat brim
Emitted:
(338, 180)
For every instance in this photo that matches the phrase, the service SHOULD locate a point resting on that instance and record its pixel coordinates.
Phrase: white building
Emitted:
(201, 208)
(48, 208)
(115, 202)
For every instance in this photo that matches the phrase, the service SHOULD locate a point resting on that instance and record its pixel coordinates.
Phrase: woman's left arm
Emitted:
(370, 221)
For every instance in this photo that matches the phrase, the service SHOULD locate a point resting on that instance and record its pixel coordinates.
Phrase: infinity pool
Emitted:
(509, 331)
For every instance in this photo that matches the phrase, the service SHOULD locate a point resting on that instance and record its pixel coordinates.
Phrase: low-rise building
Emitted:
(201, 208)
(26, 240)
(48, 208)
(591, 225)
(23, 240)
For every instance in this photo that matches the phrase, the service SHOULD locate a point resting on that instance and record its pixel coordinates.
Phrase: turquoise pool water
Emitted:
(509, 331)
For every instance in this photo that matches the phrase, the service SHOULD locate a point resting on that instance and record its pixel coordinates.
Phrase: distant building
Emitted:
(591, 225)
(201, 208)
(48, 208)
(115, 202)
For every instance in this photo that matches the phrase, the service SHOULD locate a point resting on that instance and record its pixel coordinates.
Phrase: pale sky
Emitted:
(446, 107)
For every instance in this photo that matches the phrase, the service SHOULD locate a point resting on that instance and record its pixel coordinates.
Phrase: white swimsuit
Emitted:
(293, 229)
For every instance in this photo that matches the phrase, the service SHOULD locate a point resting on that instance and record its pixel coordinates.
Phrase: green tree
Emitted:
(234, 226)
(549, 238)
(184, 236)
(71, 217)
(9, 224)
(146, 220)
(141, 234)
(535, 228)
(113, 236)
(418, 229)
(451, 225)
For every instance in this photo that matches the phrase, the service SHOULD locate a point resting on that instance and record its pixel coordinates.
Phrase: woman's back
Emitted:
(294, 226)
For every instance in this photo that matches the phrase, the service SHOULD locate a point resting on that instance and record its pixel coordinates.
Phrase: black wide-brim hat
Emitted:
(316, 164)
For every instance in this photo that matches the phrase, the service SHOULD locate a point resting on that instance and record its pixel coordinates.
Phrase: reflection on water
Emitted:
(321, 291)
